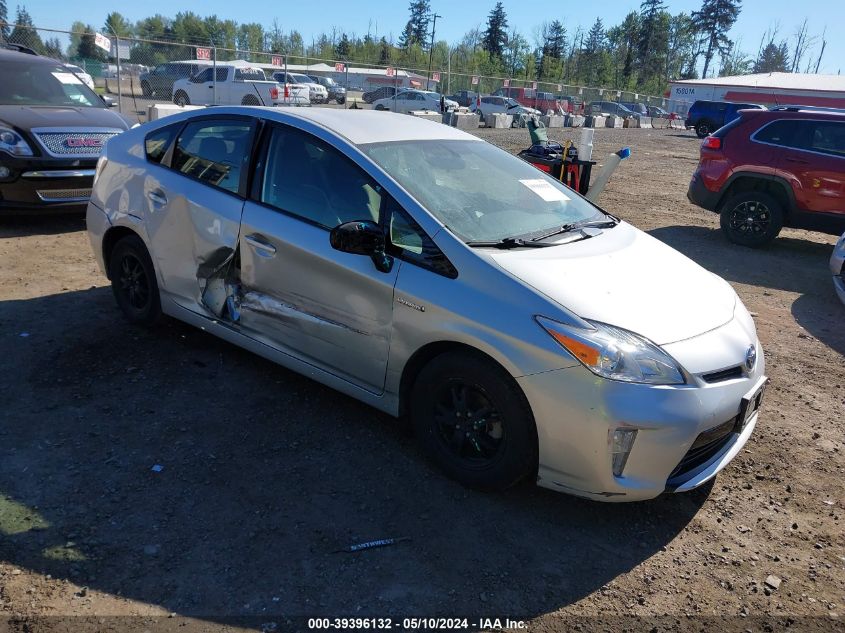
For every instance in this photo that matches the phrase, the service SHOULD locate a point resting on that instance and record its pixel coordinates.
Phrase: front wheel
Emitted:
(181, 98)
(752, 219)
(703, 128)
(341, 100)
(380, 107)
(471, 418)
(133, 281)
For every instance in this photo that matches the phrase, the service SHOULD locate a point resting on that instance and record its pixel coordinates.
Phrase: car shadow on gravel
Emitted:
(22, 226)
(174, 469)
(788, 264)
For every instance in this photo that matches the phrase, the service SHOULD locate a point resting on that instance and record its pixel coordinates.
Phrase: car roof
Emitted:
(9, 55)
(357, 126)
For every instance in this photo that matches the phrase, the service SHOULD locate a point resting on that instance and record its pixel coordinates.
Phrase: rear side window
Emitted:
(827, 137)
(156, 143)
(213, 152)
(779, 132)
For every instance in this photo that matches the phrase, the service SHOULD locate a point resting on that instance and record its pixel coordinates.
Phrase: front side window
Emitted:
(411, 243)
(827, 137)
(37, 84)
(202, 77)
(307, 178)
(480, 192)
(156, 143)
(214, 152)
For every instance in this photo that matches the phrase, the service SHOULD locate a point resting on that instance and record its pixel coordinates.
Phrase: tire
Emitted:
(752, 218)
(133, 281)
(499, 445)
(250, 100)
(341, 100)
(181, 98)
(146, 90)
(703, 128)
(380, 108)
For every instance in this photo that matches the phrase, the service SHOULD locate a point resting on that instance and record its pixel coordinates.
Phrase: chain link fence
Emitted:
(135, 72)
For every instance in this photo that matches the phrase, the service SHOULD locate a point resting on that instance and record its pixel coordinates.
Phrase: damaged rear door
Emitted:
(194, 204)
(297, 293)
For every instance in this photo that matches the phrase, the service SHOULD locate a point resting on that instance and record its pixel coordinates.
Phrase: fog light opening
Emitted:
(4, 172)
(621, 443)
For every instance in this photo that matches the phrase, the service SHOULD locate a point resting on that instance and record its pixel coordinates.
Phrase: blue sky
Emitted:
(389, 16)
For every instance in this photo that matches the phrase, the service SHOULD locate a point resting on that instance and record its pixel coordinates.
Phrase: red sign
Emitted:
(435, 76)
(204, 53)
(390, 72)
(340, 67)
(506, 83)
(276, 60)
(475, 80)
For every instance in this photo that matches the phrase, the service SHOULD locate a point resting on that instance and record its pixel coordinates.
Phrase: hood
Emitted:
(627, 278)
(27, 117)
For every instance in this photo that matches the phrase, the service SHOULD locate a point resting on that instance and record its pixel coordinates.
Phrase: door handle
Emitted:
(157, 197)
(262, 247)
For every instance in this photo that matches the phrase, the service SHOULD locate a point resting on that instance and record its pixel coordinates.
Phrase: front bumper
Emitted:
(44, 185)
(577, 412)
(837, 268)
(701, 196)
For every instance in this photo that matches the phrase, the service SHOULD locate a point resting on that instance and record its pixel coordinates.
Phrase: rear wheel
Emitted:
(250, 100)
(380, 107)
(752, 219)
(703, 128)
(471, 418)
(341, 100)
(133, 281)
(181, 98)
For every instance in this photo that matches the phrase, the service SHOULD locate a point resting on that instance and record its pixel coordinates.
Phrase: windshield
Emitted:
(482, 193)
(44, 84)
(512, 103)
(302, 79)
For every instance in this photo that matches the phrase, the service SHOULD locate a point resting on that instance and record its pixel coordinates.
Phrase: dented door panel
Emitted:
(300, 295)
(192, 234)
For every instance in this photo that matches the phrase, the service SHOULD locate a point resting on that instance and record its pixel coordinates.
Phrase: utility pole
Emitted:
(431, 49)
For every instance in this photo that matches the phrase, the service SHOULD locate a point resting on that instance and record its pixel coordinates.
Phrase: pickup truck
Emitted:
(236, 85)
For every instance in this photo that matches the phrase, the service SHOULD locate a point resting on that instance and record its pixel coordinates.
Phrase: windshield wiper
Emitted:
(507, 242)
(607, 223)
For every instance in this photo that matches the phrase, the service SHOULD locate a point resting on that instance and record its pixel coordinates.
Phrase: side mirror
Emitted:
(362, 237)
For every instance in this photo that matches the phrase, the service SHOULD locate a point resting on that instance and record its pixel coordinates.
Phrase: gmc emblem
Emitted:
(79, 141)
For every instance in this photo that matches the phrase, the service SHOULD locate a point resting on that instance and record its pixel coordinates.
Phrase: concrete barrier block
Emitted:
(645, 121)
(467, 121)
(498, 120)
(160, 110)
(428, 115)
(614, 121)
(575, 120)
(449, 119)
(596, 120)
(552, 120)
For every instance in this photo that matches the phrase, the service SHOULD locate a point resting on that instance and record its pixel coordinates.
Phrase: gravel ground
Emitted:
(265, 475)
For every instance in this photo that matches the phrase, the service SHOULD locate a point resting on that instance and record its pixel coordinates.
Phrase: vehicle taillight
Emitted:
(287, 91)
(274, 92)
(712, 142)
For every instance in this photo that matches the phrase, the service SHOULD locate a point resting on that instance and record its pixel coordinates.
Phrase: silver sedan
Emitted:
(523, 331)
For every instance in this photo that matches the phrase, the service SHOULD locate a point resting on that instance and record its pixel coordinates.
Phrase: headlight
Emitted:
(614, 353)
(13, 143)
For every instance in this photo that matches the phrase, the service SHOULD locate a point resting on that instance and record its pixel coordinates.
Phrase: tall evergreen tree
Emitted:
(116, 24)
(416, 30)
(343, 48)
(88, 49)
(653, 39)
(384, 52)
(496, 35)
(713, 21)
(774, 58)
(549, 59)
(24, 33)
(53, 48)
(4, 21)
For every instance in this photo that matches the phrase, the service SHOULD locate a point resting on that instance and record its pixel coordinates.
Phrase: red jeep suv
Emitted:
(773, 168)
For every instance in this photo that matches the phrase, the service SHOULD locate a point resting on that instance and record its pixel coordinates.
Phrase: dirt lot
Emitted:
(266, 474)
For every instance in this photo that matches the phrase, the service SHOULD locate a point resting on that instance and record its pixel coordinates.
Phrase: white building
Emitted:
(767, 89)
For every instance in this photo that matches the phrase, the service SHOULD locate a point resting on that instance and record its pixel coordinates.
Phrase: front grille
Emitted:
(725, 374)
(64, 195)
(705, 447)
(73, 143)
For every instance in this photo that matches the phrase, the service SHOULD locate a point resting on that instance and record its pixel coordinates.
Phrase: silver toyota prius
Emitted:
(523, 331)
